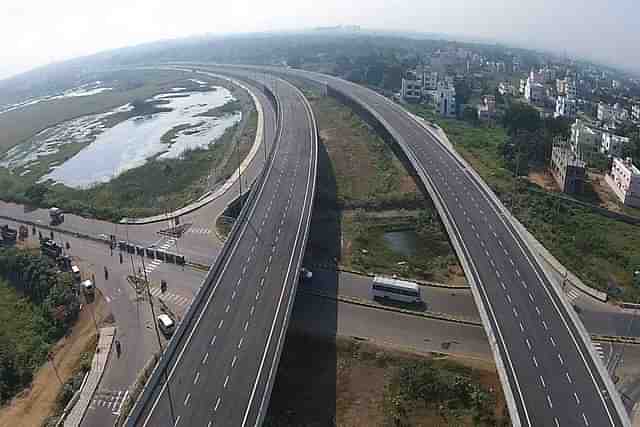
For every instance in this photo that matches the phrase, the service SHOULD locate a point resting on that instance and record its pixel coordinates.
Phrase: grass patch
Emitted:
(230, 107)
(432, 257)
(601, 251)
(366, 171)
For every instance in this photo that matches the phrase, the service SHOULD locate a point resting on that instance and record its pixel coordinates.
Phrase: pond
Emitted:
(404, 242)
(133, 142)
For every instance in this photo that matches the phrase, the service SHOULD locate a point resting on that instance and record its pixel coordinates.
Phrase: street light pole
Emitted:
(155, 324)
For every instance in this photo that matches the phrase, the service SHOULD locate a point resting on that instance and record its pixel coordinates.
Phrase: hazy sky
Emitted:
(35, 32)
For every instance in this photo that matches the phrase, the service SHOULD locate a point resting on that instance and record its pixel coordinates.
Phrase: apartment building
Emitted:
(487, 108)
(612, 145)
(567, 169)
(445, 99)
(585, 141)
(624, 180)
(566, 106)
(607, 113)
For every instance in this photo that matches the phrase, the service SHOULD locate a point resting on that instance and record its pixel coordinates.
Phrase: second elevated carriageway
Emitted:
(221, 367)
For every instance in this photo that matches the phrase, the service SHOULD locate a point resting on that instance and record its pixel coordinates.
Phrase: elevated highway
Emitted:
(550, 373)
(219, 367)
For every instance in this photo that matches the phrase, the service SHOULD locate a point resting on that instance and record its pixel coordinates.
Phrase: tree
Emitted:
(36, 193)
(521, 117)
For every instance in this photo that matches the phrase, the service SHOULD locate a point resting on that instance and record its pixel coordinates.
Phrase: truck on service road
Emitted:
(56, 215)
(386, 288)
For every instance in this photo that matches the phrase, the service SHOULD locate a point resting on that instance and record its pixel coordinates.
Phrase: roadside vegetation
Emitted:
(363, 192)
(602, 251)
(357, 383)
(37, 308)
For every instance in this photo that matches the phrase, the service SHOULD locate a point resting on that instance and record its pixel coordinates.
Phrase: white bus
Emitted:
(394, 289)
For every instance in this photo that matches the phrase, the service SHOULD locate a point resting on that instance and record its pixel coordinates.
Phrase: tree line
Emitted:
(38, 308)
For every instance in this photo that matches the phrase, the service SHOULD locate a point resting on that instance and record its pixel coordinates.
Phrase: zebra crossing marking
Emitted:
(111, 399)
(152, 266)
(204, 231)
(572, 294)
(176, 299)
(599, 350)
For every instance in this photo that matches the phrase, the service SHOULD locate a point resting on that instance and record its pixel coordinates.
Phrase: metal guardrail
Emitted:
(170, 350)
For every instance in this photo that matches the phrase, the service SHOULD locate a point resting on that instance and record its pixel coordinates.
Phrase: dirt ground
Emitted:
(607, 197)
(544, 179)
(322, 383)
(38, 402)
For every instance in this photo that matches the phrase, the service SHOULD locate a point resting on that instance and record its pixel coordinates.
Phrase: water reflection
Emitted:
(131, 143)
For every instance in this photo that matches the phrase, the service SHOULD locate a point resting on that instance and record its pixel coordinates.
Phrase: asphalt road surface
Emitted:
(550, 372)
(223, 369)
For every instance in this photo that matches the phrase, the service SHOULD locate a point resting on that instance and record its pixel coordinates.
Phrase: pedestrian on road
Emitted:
(118, 348)
(106, 273)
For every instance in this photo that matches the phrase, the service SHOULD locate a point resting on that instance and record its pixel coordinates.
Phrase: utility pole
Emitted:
(55, 369)
(239, 171)
(155, 324)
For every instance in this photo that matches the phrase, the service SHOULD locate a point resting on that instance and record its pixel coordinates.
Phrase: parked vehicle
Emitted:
(50, 248)
(386, 288)
(9, 235)
(88, 288)
(75, 272)
(56, 215)
(166, 324)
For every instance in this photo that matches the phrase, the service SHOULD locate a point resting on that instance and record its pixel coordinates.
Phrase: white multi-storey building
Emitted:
(635, 112)
(566, 106)
(534, 92)
(624, 180)
(608, 113)
(612, 144)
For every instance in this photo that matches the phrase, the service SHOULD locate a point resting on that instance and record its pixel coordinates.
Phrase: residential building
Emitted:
(411, 88)
(635, 112)
(566, 106)
(547, 74)
(612, 144)
(624, 180)
(585, 140)
(523, 86)
(445, 99)
(561, 87)
(567, 169)
(608, 113)
(430, 79)
(571, 89)
(534, 92)
(487, 109)
(506, 88)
